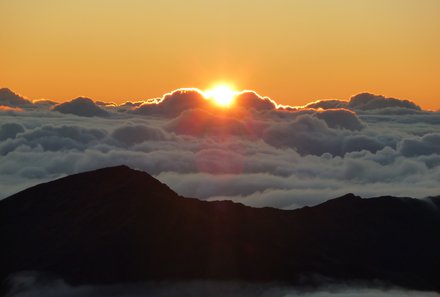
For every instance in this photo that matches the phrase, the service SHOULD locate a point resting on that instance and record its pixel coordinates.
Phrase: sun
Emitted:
(222, 95)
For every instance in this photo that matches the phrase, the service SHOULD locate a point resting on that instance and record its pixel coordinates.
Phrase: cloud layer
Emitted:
(33, 285)
(257, 153)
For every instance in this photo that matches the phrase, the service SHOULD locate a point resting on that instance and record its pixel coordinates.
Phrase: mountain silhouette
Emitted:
(117, 224)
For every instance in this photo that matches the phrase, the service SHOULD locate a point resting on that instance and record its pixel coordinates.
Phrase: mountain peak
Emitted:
(349, 196)
(106, 186)
(346, 199)
(116, 224)
(116, 170)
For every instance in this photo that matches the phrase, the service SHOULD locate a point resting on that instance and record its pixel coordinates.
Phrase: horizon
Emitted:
(206, 93)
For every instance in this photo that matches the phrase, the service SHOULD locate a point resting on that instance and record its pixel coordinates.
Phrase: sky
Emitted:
(293, 51)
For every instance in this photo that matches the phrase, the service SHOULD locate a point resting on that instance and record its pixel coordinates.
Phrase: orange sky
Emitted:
(294, 51)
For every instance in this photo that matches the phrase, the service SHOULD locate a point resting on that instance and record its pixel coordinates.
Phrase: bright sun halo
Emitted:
(222, 95)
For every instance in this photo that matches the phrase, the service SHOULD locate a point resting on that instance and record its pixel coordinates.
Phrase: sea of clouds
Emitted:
(258, 152)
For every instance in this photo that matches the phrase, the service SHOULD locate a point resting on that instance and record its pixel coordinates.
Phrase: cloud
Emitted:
(215, 161)
(340, 119)
(10, 110)
(105, 104)
(81, 106)
(367, 101)
(330, 131)
(44, 103)
(327, 104)
(254, 153)
(251, 100)
(174, 103)
(130, 135)
(427, 145)
(34, 284)
(10, 130)
(307, 134)
(199, 123)
(51, 138)
(11, 99)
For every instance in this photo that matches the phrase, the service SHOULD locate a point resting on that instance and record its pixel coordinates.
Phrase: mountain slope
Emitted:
(117, 224)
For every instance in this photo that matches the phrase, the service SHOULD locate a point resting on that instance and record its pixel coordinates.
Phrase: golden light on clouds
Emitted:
(222, 95)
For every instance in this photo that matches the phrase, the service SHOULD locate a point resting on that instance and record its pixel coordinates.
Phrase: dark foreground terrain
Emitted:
(118, 225)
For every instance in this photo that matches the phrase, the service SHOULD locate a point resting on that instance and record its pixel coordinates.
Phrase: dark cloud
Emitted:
(131, 104)
(11, 99)
(51, 138)
(105, 104)
(44, 103)
(354, 143)
(130, 135)
(219, 161)
(427, 145)
(322, 132)
(81, 106)
(327, 104)
(199, 122)
(174, 103)
(391, 111)
(307, 134)
(251, 100)
(367, 101)
(430, 118)
(10, 130)
(340, 119)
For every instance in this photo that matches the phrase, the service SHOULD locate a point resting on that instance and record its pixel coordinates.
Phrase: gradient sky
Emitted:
(294, 51)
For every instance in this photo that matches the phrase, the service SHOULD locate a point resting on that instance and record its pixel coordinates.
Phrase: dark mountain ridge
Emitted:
(121, 225)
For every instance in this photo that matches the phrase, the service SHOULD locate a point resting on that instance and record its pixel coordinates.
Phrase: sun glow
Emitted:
(221, 95)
